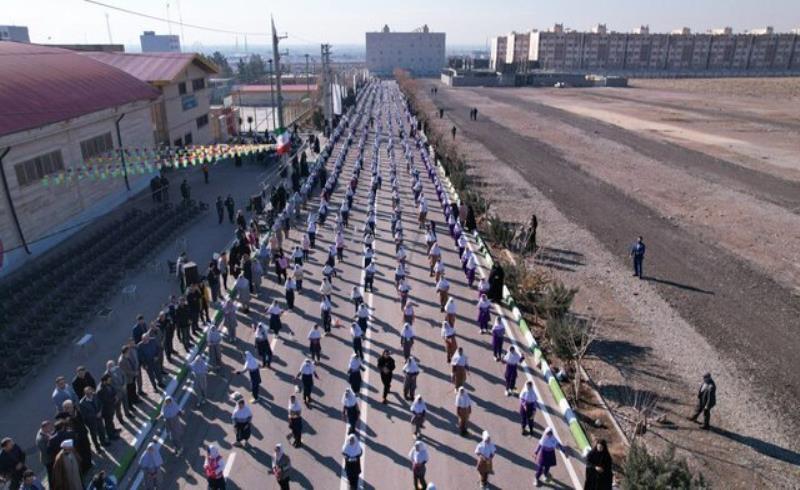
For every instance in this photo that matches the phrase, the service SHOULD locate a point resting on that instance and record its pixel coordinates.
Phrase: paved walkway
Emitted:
(385, 428)
(21, 415)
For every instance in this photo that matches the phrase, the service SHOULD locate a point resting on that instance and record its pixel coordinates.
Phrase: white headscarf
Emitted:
(407, 332)
(151, 459)
(349, 398)
(486, 447)
(355, 363)
(241, 413)
(528, 394)
(418, 406)
(294, 406)
(411, 365)
(213, 452)
(250, 362)
(548, 439)
(462, 398)
(351, 448)
(418, 453)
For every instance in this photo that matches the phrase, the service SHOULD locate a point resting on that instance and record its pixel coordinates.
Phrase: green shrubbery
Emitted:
(658, 472)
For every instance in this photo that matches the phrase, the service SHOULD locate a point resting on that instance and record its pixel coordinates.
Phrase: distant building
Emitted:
(641, 53)
(106, 48)
(68, 109)
(420, 52)
(261, 95)
(17, 34)
(181, 114)
(160, 43)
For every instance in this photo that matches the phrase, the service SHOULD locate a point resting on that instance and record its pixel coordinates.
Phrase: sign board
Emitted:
(188, 102)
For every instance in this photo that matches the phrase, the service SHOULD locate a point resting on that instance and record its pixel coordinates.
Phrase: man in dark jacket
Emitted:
(231, 206)
(186, 191)
(220, 209)
(90, 411)
(183, 321)
(12, 462)
(386, 368)
(107, 396)
(706, 400)
(82, 379)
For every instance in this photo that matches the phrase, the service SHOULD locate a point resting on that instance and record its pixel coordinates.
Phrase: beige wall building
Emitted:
(421, 52)
(181, 115)
(73, 109)
(497, 56)
(718, 52)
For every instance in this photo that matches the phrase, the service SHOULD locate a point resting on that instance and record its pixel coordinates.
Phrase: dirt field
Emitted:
(708, 173)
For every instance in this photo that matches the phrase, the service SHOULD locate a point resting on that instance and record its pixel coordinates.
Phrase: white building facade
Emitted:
(420, 52)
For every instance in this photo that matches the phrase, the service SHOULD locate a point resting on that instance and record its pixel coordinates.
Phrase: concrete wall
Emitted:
(181, 122)
(48, 215)
(422, 53)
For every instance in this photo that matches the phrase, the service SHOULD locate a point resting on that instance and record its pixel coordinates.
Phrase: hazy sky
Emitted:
(345, 21)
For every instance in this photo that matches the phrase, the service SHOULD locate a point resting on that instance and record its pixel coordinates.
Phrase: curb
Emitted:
(566, 410)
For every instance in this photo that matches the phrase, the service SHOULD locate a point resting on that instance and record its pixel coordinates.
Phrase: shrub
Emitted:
(498, 231)
(556, 300)
(659, 472)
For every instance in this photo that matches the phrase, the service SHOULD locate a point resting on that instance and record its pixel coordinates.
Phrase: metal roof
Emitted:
(42, 85)
(156, 68)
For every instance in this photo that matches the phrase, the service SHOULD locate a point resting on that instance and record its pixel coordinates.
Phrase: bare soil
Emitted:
(707, 304)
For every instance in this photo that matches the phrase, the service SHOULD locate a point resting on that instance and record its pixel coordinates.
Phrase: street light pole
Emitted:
(271, 97)
(308, 86)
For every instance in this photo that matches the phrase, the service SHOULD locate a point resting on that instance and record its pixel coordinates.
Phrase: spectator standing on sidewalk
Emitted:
(12, 462)
(171, 414)
(150, 463)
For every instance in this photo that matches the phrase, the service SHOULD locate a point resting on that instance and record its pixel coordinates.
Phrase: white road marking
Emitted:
(229, 465)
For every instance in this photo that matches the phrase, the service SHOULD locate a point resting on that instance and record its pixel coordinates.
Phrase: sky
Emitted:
(343, 22)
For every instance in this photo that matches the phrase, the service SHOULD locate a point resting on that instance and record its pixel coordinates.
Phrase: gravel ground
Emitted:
(651, 334)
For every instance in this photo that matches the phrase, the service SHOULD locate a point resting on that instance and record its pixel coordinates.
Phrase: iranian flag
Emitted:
(283, 139)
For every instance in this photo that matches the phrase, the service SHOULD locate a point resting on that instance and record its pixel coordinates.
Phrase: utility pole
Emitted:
(271, 98)
(326, 85)
(277, 57)
(108, 27)
(308, 86)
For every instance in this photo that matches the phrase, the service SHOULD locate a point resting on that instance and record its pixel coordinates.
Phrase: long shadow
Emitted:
(766, 448)
(678, 285)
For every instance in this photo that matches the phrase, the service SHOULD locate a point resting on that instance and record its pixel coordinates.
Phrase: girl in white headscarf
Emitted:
(281, 467)
(411, 371)
(214, 468)
(150, 463)
(295, 411)
(350, 409)
(463, 410)
(241, 417)
(418, 411)
(354, 368)
(484, 453)
(419, 458)
(251, 366)
(528, 402)
(171, 412)
(545, 454)
(352, 460)
(407, 340)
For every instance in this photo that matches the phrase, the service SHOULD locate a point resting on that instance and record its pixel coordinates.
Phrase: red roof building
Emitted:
(43, 85)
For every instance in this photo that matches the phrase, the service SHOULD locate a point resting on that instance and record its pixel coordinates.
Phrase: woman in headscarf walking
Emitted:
(357, 334)
(242, 418)
(290, 287)
(307, 374)
(407, 340)
(460, 368)
(295, 411)
(251, 366)
(419, 459)
(545, 454)
(484, 452)
(352, 460)
(354, 368)
(418, 412)
(275, 312)
(512, 360)
(599, 468)
(262, 344)
(484, 314)
(410, 371)
(150, 463)
(281, 467)
(214, 467)
(315, 343)
(350, 410)
(463, 410)
(528, 402)
(229, 318)
(449, 336)
(498, 335)
(171, 414)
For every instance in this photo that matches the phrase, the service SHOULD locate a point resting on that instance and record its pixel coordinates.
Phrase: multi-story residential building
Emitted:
(160, 43)
(180, 116)
(718, 52)
(497, 56)
(421, 52)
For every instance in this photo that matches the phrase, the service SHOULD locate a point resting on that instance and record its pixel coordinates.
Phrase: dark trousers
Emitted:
(97, 432)
(386, 379)
(358, 347)
(706, 415)
(637, 266)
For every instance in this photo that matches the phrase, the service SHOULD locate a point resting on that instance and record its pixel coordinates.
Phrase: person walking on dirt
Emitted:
(637, 252)
(453, 132)
(706, 400)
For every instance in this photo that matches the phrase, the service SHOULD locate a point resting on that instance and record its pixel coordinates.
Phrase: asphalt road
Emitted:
(385, 428)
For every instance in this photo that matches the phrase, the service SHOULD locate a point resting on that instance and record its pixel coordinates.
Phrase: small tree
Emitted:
(658, 472)
(571, 337)
(556, 300)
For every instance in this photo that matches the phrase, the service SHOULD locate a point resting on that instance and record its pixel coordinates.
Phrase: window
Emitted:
(178, 143)
(99, 145)
(33, 170)
(187, 139)
(198, 84)
(182, 88)
(202, 121)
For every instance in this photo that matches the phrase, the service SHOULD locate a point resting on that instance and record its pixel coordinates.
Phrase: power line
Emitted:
(182, 24)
